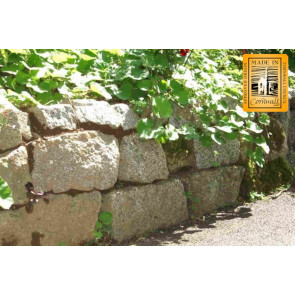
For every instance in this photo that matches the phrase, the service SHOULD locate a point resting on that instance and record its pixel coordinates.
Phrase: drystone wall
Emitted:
(83, 157)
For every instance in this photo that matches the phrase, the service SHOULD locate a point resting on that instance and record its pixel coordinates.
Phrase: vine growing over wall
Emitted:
(206, 82)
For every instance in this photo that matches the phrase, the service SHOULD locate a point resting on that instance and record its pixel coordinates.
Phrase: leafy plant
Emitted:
(193, 201)
(5, 195)
(103, 226)
(254, 196)
(153, 82)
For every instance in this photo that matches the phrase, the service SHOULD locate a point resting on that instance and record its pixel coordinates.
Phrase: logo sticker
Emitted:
(265, 83)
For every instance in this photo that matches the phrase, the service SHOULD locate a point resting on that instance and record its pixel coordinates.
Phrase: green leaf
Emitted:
(18, 51)
(125, 91)
(98, 225)
(161, 61)
(236, 123)
(264, 119)
(226, 129)
(144, 85)
(5, 195)
(98, 235)
(175, 85)
(162, 107)
(206, 140)
(171, 132)
(106, 218)
(163, 86)
(205, 119)
(217, 137)
(62, 57)
(182, 96)
(144, 128)
(22, 77)
(231, 136)
(137, 73)
(239, 111)
(100, 90)
(260, 141)
(252, 126)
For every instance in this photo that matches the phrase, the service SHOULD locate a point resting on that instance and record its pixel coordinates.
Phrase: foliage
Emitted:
(103, 227)
(5, 195)
(209, 82)
(254, 196)
(193, 201)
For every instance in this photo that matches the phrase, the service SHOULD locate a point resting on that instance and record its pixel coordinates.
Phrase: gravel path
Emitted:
(269, 222)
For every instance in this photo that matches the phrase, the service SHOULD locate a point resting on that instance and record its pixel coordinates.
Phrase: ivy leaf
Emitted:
(61, 57)
(189, 132)
(162, 86)
(264, 119)
(106, 218)
(206, 140)
(239, 111)
(217, 137)
(171, 132)
(161, 61)
(162, 107)
(236, 123)
(260, 141)
(100, 90)
(182, 96)
(252, 126)
(144, 85)
(205, 119)
(226, 129)
(231, 136)
(144, 128)
(22, 77)
(125, 91)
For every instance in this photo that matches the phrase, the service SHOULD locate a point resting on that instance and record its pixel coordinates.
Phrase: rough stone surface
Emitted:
(80, 161)
(213, 187)
(13, 125)
(14, 169)
(224, 154)
(58, 116)
(102, 113)
(291, 132)
(10, 134)
(139, 209)
(184, 115)
(23, 119)
(65, 219)
(141, 161)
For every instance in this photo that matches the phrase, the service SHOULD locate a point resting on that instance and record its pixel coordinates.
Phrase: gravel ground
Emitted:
(269, 222)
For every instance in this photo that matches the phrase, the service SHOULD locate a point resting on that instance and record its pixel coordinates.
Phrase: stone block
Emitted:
(65, 219)
(14, 169)
(80, 161)
(213, 187)
(141, 161)
(139, 209)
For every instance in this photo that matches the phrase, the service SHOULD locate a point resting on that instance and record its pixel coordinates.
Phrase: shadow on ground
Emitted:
(175, 234)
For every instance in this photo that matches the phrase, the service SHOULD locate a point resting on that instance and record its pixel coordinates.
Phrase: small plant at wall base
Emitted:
(103, 227)
(193, 201)
(5, 195)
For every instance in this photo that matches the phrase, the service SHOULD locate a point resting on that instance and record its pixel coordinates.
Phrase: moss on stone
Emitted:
(274, 135)
(274, 174)
(178, 154)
